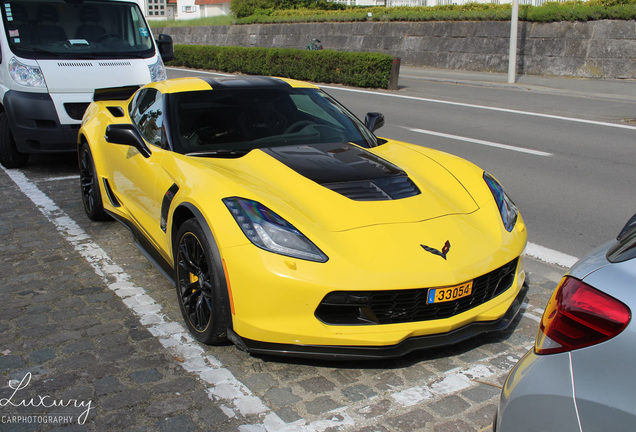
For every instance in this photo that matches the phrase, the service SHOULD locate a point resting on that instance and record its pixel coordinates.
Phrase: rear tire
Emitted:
(10, 157)
(202, 297)
(89, 184)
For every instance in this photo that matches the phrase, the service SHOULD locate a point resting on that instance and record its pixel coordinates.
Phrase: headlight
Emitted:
(157, 70)
(507, 208)
(271, 232)
(30, 76)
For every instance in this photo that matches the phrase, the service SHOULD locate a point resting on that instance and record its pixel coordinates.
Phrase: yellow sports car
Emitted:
(289, 228)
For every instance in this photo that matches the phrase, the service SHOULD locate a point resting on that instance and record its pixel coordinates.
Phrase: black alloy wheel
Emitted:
(203, 301)
(91, 195)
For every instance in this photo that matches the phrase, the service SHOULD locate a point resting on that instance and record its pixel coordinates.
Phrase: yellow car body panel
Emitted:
(372, 246)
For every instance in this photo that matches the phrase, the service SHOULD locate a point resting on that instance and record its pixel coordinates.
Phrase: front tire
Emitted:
(203, 300)
(89, 183)
(10, 157)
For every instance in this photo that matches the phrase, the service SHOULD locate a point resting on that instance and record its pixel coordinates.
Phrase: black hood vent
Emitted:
(348, 170)
(390, 188)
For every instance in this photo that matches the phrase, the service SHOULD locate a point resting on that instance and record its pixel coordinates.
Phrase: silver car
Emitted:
(581, 374)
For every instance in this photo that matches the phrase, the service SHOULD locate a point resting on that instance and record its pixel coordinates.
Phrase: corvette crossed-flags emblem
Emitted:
(441, 253)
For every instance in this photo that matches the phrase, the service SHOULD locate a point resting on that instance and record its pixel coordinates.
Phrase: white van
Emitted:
(54, 54)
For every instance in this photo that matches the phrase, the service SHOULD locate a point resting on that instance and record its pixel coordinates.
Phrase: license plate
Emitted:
(439, 295)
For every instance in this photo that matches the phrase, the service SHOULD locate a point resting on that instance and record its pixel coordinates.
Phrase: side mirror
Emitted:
(374, 120)
(166, 47)
(127, 134)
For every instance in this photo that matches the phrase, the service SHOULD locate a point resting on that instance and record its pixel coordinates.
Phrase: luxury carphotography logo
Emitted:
(19, 407)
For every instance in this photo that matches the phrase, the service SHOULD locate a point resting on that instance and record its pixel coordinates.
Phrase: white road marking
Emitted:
(223, 385)
(483, 107)
(451, 382)
(201, 72)
(173, 336)
(481, 142)
(526, 313)
(550, 256)
(62, 178)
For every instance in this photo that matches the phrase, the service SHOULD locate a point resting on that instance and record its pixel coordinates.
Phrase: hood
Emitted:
(82, 76)
(343, 186)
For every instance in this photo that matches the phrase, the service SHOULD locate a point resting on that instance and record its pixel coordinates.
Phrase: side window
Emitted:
(147, 115)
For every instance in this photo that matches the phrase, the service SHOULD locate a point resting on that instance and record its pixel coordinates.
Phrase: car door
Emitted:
(133, 175)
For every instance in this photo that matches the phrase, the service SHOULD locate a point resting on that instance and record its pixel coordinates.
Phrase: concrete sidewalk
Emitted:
(619, 89)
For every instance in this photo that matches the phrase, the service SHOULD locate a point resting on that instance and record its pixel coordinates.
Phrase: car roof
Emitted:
(178, 85)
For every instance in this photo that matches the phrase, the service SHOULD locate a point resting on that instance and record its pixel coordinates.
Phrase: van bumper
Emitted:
(36, 126)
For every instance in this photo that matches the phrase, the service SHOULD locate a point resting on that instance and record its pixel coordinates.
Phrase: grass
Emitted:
(222, 20)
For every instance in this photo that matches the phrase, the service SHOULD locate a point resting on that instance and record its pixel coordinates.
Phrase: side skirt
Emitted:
(146, 248)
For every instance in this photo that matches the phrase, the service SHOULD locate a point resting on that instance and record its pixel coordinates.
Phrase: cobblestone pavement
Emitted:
(91, 340)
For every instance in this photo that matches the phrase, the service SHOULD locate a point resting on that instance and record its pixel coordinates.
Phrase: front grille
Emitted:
(76, 110)
(75, 64)
(114, 63)
(409, 305)
(388, 188)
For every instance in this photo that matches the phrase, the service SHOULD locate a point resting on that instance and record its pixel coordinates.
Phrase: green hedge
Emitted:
(324, 66)
(549, 12)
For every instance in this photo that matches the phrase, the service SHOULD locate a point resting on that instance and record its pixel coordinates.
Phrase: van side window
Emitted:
(147, 114)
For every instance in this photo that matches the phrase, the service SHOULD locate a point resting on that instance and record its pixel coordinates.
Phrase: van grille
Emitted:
(115, 63)
(75, 64)
(76, 110)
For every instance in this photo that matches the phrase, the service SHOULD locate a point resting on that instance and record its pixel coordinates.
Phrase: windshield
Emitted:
(239, 120)
(625, 248)
(88, 30)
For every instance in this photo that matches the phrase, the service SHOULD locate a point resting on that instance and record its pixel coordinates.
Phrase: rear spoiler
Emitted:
(114, 93)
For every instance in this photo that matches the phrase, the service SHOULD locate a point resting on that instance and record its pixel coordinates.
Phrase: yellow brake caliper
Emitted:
(193, 278)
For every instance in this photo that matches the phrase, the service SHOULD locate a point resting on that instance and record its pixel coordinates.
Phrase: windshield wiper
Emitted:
(80, 55)
(119, 54)
(35, 50)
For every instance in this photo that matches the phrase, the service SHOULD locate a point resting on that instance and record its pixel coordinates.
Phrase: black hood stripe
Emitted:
(347, 169)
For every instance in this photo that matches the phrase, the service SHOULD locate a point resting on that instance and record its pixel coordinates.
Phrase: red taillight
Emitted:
(578, 316)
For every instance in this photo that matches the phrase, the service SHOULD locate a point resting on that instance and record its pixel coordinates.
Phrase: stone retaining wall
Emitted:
(600, 49)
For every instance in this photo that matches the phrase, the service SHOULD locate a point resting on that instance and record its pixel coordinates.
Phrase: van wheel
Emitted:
(10, 157)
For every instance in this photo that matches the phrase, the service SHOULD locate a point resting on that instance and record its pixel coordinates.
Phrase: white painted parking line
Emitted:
(481, 142)
(223, 385)
(451, 382)
(550, 256)
(172, 335)
(62, 178)
(525, 312)
(483, 107)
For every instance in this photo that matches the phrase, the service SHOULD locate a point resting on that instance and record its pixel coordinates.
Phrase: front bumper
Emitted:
(275, 312)
(277, 300)
(353, 352)
(36, 125)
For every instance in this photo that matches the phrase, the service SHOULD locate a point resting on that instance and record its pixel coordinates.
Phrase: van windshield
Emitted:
(87, 30)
